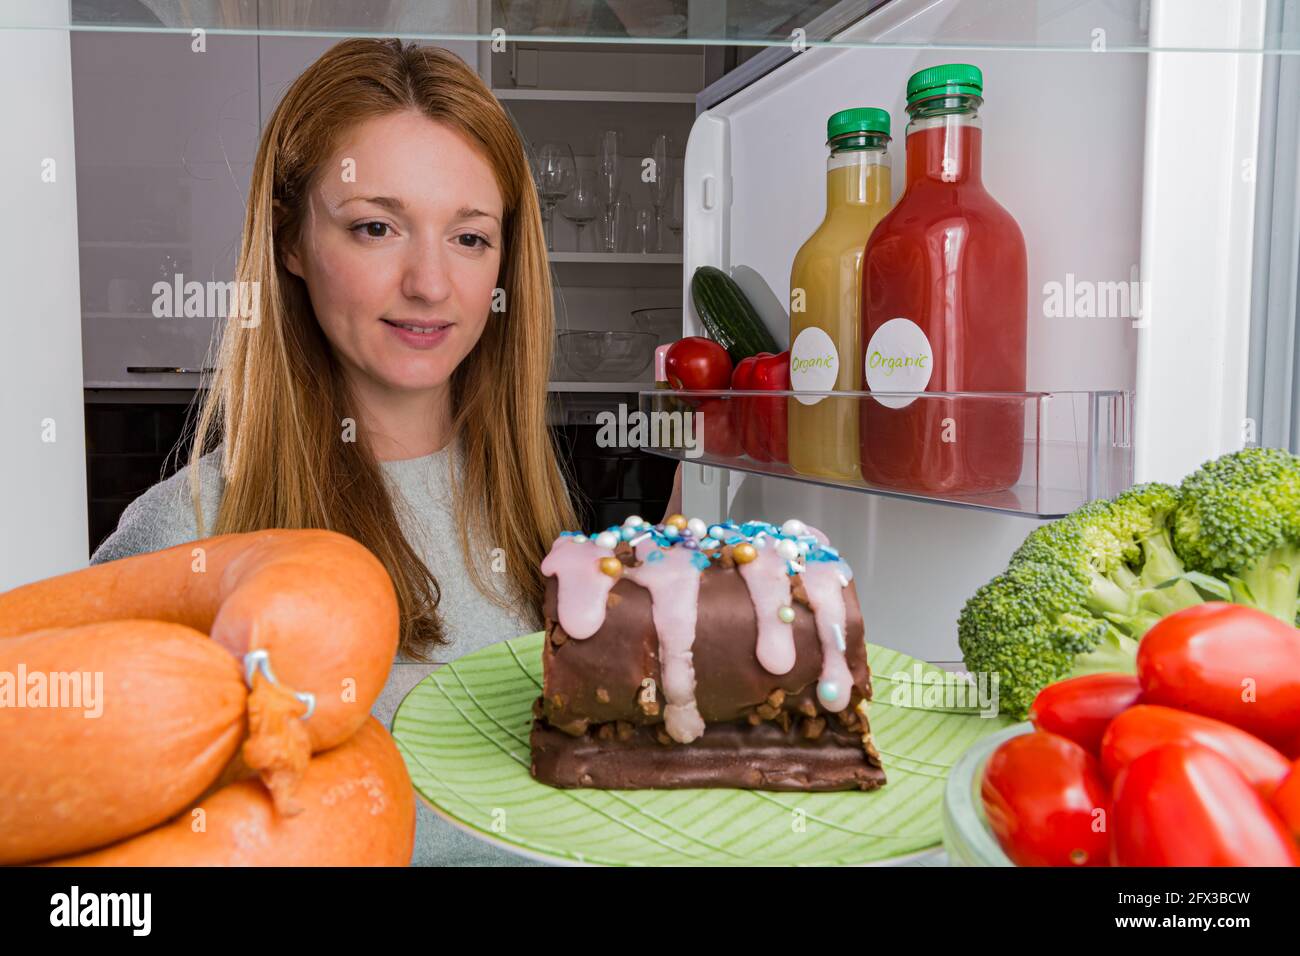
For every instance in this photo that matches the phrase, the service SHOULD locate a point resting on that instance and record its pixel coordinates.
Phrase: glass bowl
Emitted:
(608, 356)
(664, 323)
(967, 838)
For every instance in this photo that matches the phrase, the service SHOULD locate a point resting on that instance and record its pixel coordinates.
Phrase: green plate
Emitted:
(464, 733)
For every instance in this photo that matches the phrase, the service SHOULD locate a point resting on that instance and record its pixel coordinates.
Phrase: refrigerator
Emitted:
(1149, 151)
(1143, 144)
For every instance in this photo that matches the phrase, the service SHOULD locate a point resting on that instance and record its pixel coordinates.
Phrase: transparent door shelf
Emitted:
(1041, 454)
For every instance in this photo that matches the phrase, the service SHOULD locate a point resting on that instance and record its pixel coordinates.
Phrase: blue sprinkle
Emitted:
(700, 561)
(655, 556)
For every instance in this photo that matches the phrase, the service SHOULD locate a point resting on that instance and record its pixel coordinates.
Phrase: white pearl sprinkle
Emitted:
(787, 549)
(633, 521)
(785, 613)
(580, 538)
(828, 691)
(794, 527)
(607, 539)
(698, 528)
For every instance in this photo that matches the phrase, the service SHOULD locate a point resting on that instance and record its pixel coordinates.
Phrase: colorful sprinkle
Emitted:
(786, 613)
(611, 566)
(744, 553)
(828, 691)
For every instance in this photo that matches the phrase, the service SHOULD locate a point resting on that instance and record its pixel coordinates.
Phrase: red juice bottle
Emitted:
(944, 308)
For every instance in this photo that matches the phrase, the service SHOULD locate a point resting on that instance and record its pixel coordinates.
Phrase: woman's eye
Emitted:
(476, 241)
(370, 228)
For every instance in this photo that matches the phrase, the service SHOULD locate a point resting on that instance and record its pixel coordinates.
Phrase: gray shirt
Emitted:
(422, 494)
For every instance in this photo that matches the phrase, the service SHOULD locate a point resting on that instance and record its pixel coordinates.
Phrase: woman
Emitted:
(392, 385)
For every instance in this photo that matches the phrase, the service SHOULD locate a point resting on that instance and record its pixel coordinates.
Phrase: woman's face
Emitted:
(400, 251)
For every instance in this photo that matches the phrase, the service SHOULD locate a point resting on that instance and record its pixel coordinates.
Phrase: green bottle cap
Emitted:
(862, 119)
(950, 79)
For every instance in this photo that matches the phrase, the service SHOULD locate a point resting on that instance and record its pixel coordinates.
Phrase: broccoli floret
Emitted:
(1121, 553)
(1031, 626)
(1239, 518)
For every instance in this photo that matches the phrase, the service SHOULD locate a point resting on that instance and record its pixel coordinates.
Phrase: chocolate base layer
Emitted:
(740, 755)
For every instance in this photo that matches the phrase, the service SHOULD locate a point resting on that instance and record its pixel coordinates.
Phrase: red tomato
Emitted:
(1286, 800)
(696, 364)
(1183, 804)
(1044, 797)
(1148, 726)
(1080, 708)
(1229, 662)
(718, 433)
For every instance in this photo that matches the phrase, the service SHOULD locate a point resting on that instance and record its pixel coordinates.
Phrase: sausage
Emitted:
(317, 602)
(358, 810)
(158, 715)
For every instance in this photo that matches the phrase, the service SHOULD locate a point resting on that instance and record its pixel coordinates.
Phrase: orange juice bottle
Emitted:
(825, 295)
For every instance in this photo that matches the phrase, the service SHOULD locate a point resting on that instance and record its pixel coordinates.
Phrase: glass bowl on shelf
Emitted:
(663, 323)
(967, 839)
(607, 356)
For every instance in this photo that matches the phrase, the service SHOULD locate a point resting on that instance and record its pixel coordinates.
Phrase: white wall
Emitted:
(42, 482)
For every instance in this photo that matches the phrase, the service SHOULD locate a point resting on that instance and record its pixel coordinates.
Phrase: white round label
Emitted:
(814, 364)
(898, 359)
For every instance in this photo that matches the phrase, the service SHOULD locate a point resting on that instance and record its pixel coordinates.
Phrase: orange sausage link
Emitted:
(120, 725)
(319, 602)
(358, 810)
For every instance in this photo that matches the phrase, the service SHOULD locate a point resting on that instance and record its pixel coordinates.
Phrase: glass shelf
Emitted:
(1065, 25)
(1039, 454)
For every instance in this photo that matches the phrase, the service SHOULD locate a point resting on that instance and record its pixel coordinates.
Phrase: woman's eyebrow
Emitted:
(396, 205)
(468, 212)
(388, 202)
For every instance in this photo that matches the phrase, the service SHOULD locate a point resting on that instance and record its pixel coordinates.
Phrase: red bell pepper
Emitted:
(762, 422)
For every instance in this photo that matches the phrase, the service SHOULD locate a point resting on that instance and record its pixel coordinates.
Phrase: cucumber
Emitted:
(728, 316)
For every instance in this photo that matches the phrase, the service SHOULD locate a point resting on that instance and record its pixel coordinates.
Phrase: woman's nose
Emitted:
(425, 273)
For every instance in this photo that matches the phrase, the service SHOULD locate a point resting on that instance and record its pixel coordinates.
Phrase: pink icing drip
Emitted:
(819, 535)
(769, 589)
(821, 582)
(583, 587)
(674, 586)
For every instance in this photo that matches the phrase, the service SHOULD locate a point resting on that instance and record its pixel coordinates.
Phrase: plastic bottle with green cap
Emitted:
(944, 308)
(824, 283)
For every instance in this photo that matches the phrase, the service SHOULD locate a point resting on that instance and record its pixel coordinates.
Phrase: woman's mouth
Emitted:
(419, 335)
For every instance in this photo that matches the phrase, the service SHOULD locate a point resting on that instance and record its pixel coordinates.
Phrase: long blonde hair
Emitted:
(278, 398)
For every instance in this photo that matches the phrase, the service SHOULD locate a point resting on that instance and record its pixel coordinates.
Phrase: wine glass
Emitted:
(555, 173)
(677, 207)
(661, 152)
(580, 206)
(609, 178)
(643, 232)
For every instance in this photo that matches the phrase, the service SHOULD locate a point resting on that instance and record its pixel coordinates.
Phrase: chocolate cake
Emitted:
(693, 655)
